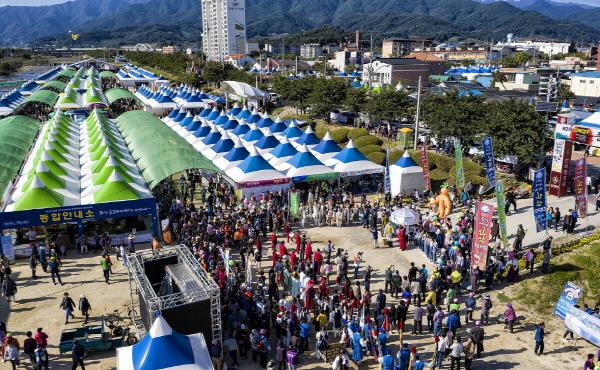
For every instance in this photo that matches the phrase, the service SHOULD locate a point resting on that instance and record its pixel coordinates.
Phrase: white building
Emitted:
(311, 51)
(586, 84)
(223, 28)
(550, 48)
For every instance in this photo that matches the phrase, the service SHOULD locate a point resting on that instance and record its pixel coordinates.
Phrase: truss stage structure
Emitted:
(171, 282)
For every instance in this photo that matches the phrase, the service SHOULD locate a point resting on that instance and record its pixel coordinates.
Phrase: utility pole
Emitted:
(417, 116)
(296, 75)
(260, 67)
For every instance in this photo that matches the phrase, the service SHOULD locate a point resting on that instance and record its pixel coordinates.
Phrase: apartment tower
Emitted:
(223, 28)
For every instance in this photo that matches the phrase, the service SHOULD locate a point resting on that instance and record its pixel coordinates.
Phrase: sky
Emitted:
(48, 2)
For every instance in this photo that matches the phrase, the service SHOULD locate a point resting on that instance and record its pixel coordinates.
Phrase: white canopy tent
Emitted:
(406, 176)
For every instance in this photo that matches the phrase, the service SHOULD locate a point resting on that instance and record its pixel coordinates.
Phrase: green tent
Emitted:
(115, 94)
(38, 196)
(110, 166)
(17, 130)
(158, 150)
(68, 72)
(107, 74)
(115, 189)
(54, 85)
(42, 97)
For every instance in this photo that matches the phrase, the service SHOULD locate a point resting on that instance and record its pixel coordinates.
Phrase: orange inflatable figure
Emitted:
(443, 203)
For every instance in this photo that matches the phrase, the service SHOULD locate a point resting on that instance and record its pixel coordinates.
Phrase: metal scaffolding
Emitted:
(193, 283)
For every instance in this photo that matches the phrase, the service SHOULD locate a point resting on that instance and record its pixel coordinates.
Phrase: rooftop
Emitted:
(589, 74)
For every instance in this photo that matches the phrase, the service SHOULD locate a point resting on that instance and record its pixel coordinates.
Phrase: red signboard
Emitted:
(481, 235)
(425, 165)
(581, 187)
(561, 161)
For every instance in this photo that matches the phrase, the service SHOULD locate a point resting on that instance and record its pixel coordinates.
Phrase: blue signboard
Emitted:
(583, 324)
(488, 158)
(539, 199)
(568, 298)
(8, 249)
(80, 214)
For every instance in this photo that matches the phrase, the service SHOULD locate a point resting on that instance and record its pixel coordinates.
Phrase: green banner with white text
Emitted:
(501, 202)
(460, 171)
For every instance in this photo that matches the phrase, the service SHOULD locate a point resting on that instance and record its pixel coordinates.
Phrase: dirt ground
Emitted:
(38, 302)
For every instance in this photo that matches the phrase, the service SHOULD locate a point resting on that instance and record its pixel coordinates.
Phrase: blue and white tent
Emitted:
(213, 115)
(222, 119)
(205, 112)
(351, 162)
(254, 168)
(200, 133)
(244, 114)
(308, 138)
(304, 164)
(235, 110)
(326, 149)
(221, 147)
(406, 176)
(265, 121)
(165, 349)
(278, 126)
(281, 153)
(196, 122)
(231, 124)
(254, 117)
(266, 143)
(235, 156)
(241, 129)
(292, 132)
(253, 135)
(211, 139)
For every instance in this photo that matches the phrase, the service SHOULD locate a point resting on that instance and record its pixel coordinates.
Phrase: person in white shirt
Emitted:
(456, 351)
(439, 355)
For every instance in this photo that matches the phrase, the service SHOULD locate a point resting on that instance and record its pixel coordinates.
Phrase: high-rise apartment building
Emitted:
(223, 28)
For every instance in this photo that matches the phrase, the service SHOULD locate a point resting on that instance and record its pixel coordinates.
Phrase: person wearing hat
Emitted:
(486, 308)
(520, 235)
(54, 267)
(85, 308)
(478, 334)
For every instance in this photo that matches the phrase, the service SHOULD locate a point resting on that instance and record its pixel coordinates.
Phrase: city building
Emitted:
(396, 47)
(391, 71)
(519, 81)
(252, 47)
(331, 48)
(279, 48)
(549, 48)
(311, 51)
(138, 47)
(282, 65)
(567, 64)
(240, 60)
(586, 84)
(348, 58)
(473, 54)
(223, 28)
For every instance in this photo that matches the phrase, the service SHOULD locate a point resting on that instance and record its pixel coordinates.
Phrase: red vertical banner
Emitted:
(581, 187)
(425, 166)
(481, 235)
(561, 161)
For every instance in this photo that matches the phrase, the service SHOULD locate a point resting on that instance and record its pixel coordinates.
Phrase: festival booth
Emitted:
(351, 162)
(255, 175)
(163, 348)
(406, 176)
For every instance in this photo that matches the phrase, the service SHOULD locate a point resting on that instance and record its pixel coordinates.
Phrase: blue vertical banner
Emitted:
(539, 199)
(569, 297)
(488, 158)
(387, 181)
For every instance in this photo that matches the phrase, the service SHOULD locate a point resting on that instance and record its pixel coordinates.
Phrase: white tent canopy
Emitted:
(242, 89)
(405, 216)
(406, 176)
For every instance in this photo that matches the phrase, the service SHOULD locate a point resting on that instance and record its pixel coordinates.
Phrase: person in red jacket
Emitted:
(402, 238)
(273, 240)
(282, 250)
(287, 229)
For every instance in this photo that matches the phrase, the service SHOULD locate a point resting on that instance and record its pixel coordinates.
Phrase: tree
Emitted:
(213, 73)
(450, 115)
(518, 59)
(327, 95)
(564, 93)
(355, 100)
(516, 129)
(294, 92)
(499, 78)
(390, 105)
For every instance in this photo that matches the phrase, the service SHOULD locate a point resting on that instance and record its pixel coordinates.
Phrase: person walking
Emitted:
(68, 306)
(11, 351)
(469, 350)
(85, 307)
(54, 267)
(478, 335)
(105, 264)
(33, 265)
(232, 348)
(9, 288)
(539, 339)
(456, 351)
(510, 317)
(29, 346)
(78, 353)
(520, 235)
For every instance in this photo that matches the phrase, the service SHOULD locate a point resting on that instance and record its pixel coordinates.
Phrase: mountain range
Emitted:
(131, 21)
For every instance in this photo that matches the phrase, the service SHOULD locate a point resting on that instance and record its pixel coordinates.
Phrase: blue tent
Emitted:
(406, 161)
(350, 154)
(212, 138)
(284, 149)
(267, 142)
(231, 124)
(214, 114)
(242, 129)
(173, 113)
(235, 110)
(308, 137)
(304, 164)
(205, 112)
(327, 145)
(187, 120)
(182, 114)
(195, 125)
(220, 148)
(265, 121)
(292, 132)
(202, 131)
(278, 126)
(254, 168)
(254, 134)
(254, 118)
(356, 84)
(244, 113)
(222, 119)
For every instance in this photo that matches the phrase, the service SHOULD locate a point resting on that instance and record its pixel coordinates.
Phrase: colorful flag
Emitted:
(581, 187)
(460, 172)
(488, 158)
(425, 166)
(501, 204)
(294, 206)
(387, 182)
(539, 199)
(481, 235)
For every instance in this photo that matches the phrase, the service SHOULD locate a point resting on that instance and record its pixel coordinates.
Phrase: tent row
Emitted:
(75, 163)
(164, 98)
(130, 76)
(252, 148)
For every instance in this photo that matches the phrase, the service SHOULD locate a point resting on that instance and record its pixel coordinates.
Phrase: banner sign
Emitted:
(539, 199)
(8, 249)
(501, 204)
(316, 177)
(481, 235)
(583, 324)
(294, 206)
(252, 184)
(569, 297)
(77, 214)
(581, 187)
(488, 158)
(425, 166)
(561, 161)
(460, 172)
(386, 181)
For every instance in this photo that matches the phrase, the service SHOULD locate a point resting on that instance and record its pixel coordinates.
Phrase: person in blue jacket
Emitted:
(539, 339)
(419, 365)
(453, 322)
(357, 354)
(404, 357)
(382, 338)
(388, 362)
